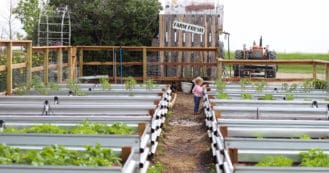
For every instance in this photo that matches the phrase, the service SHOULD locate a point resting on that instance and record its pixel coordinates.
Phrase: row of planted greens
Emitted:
(60, 156)
(267, 136)
(84, 127)
(247, 90)
(63, 125)
(73, 87)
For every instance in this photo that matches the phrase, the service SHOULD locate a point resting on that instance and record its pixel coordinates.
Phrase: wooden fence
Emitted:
(74, 63)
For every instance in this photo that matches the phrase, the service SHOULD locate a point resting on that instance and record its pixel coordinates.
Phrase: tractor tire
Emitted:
(271, 73)
(236, 70)
(238, 54)
(272, 55)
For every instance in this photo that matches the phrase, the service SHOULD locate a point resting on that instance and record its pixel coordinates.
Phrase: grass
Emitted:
(297, 56)
(300, 68)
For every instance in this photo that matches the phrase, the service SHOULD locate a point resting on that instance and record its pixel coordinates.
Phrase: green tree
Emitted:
(27, 11)
(112, 22)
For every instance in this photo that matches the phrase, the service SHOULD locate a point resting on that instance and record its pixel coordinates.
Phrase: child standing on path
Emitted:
(198, 93)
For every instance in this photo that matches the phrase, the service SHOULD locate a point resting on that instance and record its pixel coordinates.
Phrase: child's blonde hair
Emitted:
(198, 81)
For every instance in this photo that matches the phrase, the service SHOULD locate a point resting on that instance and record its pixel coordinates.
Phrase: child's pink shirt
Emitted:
(197, 90)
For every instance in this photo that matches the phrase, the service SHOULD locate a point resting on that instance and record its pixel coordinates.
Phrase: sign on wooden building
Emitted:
(190, 23)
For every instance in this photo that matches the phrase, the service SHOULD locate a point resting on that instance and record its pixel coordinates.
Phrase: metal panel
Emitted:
(253, 169)
(70, 140)
(275, 144)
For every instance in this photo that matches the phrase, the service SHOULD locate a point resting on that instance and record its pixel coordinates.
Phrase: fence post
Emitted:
(74, 62)
(81, 62)
(29, 62)
(71, 61)
(144, 64)
(59, 65)
(327, 72)
(9, 70)
(219, 69)
(46, 66)
(314, 70)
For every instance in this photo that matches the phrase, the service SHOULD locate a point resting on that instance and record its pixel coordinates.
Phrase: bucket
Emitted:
(186, 87)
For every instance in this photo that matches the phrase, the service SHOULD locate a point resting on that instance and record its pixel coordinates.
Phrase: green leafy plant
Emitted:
(289, 97)
(260, 86)
(220, 85)
(244, 82)
(38, 85)
(82, 128)
(54, 86)
(59, 156)
(277, 161)
(305, 137)
(246, 96)
(156, 168)
(319, 84)
(314, 158)
(292, 88)
(130, 83)
(307, 85)
(266, 97)
(326, 99)
(106, 85)
(22, 89)
(285, 87)
(222, 95)
(73, 86)
(150, 84)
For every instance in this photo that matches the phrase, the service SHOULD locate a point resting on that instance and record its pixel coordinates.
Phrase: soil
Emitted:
(184, 145)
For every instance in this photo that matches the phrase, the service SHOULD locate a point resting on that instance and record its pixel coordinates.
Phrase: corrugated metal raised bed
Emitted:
(140, 141)
(270, 103)
(72, 100)
(128, 165)
(272, 112)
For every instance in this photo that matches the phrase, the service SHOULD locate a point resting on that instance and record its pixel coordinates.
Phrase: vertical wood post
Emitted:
(141, 128)
(233, 152)
(224, 131)
(180, 68)
(46, 66)
(71, 61)
(9, 70)
(314, 70)
(29, 62)
(144, 64)
(59, 65)
(74, 63)
(219, 69)
(125, 152)
(162, 41)
(81, 62)
(327, 72)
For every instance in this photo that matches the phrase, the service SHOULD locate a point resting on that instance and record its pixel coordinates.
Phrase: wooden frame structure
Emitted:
(76, 62)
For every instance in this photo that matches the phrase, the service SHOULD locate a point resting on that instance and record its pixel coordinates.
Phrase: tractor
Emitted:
(255, 53)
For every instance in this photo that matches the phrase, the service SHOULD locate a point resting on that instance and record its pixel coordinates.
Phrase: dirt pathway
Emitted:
(185, 146)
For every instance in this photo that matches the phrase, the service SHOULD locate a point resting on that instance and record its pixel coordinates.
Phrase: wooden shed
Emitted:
(190, 23)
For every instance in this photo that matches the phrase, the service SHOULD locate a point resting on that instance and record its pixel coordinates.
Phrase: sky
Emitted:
(286, 25)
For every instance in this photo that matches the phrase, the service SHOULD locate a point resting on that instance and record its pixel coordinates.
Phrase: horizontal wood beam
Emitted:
(298, 62)
(151, 63)
(140, 48)
(15, 42)
(50, 48)
(19, 65)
